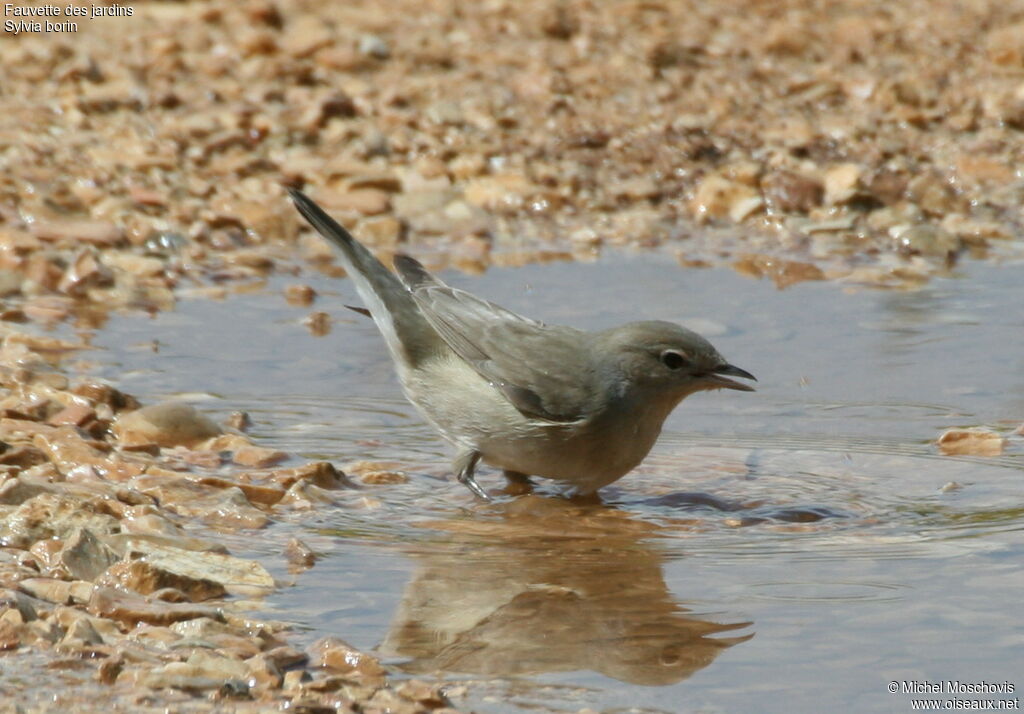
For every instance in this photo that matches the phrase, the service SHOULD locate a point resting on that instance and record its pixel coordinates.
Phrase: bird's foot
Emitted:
(467, 480)
(518, 484)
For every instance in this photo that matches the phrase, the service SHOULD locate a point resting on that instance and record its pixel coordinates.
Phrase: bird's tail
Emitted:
(408, 335)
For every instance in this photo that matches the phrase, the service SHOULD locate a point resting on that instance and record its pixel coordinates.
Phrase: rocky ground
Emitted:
(101, 570)
(142, 156)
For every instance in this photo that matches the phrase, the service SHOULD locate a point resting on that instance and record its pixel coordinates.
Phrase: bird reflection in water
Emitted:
(544, 585)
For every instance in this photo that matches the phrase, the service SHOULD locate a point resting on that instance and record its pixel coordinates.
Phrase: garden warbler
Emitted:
(529, 398)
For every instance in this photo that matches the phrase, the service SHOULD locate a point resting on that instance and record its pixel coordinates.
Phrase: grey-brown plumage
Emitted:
(530, 398)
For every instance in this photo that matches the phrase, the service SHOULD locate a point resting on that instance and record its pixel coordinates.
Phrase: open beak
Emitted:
(718, 378)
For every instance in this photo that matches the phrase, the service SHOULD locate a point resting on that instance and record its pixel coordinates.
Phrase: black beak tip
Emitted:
(734, 371)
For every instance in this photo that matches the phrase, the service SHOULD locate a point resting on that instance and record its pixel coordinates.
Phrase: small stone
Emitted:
(932, 194)
(415, 203)
(10, 282)
(131, 609)
(225, 442)
(445, 112)
(166, 424)
(302, 295)
(842, 183)
(305, 496)
(429, 695)
(790, 192)
(366, 201)
(81, 633)
(266, 495)
(635, 188)
(81, 591)
(335, 105)
(85, 272)
(299, 555)
(84, 556)
(48, 589)
(318, 473)
(716, 195)
(502, 191)
(984, 169)
(99, 393)
(783, 272)
(99, 233)
(374, 46)
(559, 22)
(319, 323)
(239, 420)
(379, 478)
(146, 578)
(335, 654)
(257, 456)
(305, 35)
(146, 196)
(76, 457)
(466, 166)
(74, 415)
(286, 657)
(295, 679)
(145, 520)
(109, 669)
(23, 457)
(1005, 45)
(380, 181)
(51, 515)
(971, 442)
(16, 491)
(924, 239)
(745, 207)
(228, 508)
(10, 635)
(263, 672)
(382, 232)
(236, 575)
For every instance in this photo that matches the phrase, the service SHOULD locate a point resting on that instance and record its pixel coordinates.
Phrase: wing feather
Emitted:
(543, 370)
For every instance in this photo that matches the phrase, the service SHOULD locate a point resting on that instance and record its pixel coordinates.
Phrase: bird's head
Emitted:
(665, 361)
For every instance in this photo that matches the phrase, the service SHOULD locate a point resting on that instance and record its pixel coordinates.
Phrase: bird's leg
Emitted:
(464, 464)
(518, 484)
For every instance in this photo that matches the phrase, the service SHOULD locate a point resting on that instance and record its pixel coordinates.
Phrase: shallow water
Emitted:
(791, 550)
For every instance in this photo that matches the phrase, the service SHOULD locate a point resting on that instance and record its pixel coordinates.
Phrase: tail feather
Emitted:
(408, 335)
(413, 274)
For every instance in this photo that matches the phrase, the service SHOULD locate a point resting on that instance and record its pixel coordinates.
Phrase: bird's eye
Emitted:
(674, 360)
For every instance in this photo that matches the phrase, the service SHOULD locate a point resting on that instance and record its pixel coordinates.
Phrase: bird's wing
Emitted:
(545, 372)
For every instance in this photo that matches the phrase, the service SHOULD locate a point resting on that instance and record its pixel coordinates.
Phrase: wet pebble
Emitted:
(337, 655)
(971, 442)
(301, 295)
(165, 424)
(299, 555)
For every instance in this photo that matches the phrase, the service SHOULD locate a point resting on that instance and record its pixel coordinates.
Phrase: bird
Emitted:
(532, 399)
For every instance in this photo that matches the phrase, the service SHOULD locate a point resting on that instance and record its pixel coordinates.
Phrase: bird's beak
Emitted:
(718, 378)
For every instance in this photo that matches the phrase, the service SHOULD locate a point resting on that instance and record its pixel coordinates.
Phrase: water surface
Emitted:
(792, 550)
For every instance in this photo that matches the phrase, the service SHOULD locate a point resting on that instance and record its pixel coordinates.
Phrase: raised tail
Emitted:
(408, 335)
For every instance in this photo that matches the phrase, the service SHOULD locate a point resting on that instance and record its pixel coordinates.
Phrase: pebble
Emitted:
(791, 192)
(165, 424)
(300, 295)
(299, 555)
(842, 183)
(971, 442)
(716, 197)
(337, 655)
